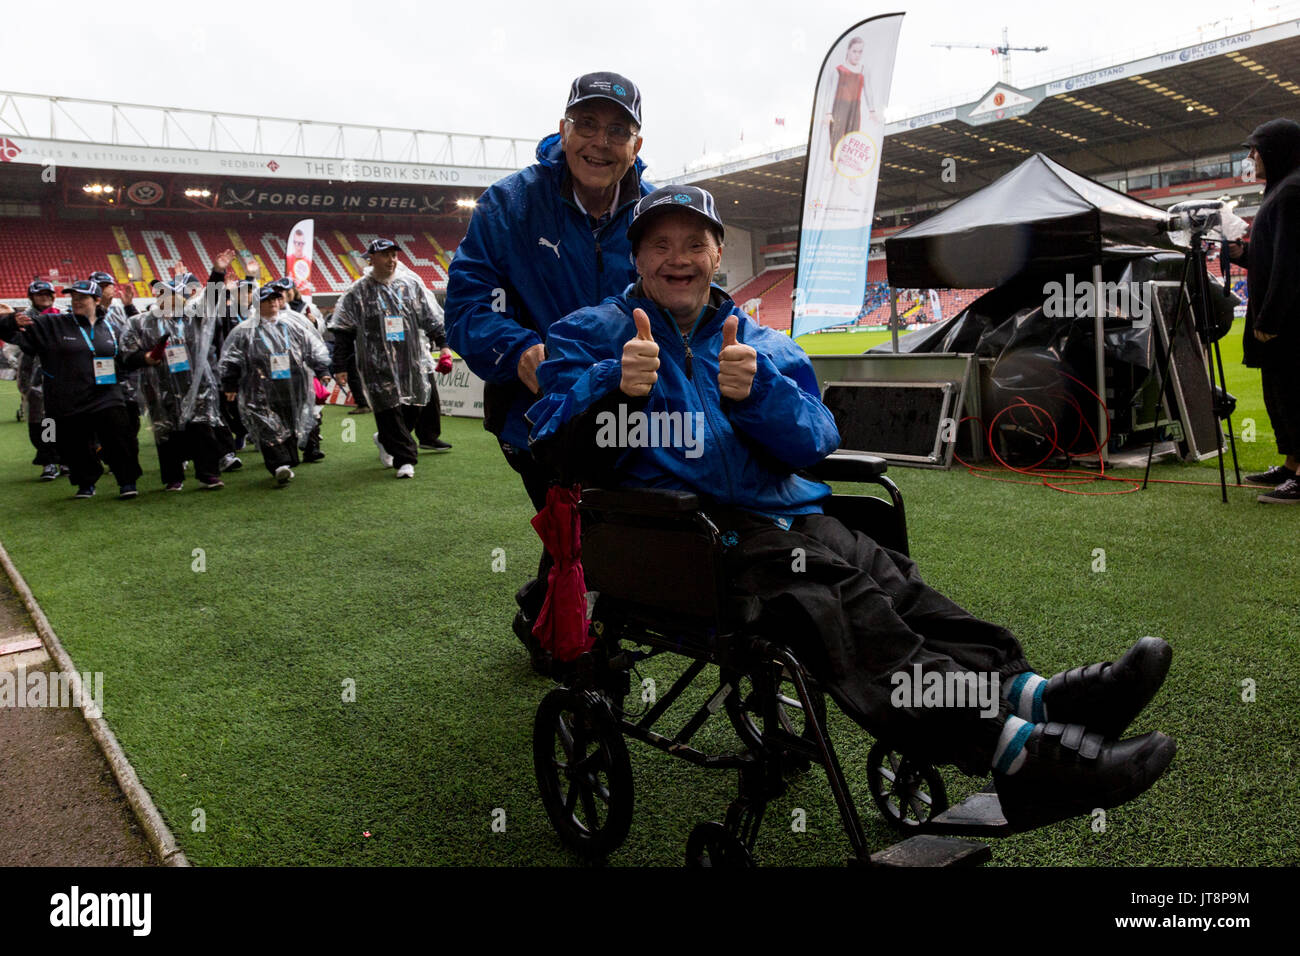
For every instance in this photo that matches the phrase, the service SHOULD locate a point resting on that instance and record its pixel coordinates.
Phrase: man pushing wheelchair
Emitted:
(670, 386)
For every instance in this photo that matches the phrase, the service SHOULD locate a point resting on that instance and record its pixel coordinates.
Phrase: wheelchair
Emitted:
(773, 703)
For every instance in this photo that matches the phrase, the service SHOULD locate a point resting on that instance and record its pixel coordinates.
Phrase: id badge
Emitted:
(105, 371)
(394, 328)
(279, 365)
(178, 358)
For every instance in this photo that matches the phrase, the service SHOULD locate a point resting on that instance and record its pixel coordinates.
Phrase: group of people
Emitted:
(580, 291)
(218, 364)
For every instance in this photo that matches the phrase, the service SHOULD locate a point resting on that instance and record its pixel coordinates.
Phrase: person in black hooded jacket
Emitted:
(1271, 340)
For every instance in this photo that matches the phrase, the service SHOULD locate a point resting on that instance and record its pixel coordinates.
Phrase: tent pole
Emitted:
(893, 316)
(1103, 423)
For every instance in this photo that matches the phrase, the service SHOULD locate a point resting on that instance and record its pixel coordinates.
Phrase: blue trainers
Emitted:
(126, 491)
(85, 491)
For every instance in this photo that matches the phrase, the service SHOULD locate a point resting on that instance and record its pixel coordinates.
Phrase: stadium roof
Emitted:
(1191, 102)
(97, 134)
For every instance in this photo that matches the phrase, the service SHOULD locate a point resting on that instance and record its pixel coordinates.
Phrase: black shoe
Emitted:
(1107, 697)
(49, 472)
(310, 456)
(1287, 493)
(436, 445)
(231, 462)
(540, 659)
(127, 492)
(1271, 478)
(1070, 772)
(85, 491)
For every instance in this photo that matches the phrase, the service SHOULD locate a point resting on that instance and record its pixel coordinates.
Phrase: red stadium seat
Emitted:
(32, 247)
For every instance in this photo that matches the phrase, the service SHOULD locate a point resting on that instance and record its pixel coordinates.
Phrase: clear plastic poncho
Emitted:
(393, 323)
(274, 406)
(183, 388)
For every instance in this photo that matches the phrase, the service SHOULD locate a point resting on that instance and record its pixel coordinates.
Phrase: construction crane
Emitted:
(1003, 51)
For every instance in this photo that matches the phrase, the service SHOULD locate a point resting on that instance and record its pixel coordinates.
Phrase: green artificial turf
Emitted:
(226, 686)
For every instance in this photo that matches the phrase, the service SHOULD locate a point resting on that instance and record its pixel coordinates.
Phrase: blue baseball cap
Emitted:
(84, 287)
(269, 291)
(103, 278)
(691, 198)
(379, 245)
(40, 287)
(607, 86)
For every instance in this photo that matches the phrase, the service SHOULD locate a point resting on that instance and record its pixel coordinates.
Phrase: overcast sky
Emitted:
(708, 70)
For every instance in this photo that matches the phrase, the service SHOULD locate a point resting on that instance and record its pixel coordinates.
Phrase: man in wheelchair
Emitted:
(747, 416)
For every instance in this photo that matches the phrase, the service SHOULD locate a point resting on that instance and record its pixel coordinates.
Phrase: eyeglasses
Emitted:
(586, 127)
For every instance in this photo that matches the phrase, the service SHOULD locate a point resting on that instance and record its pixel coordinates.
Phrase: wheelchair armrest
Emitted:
(848, 466)
(641, 500)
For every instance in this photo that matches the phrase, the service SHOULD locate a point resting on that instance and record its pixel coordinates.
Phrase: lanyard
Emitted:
(387, 293)
(261, 332)
(90, 342)
(180, 324)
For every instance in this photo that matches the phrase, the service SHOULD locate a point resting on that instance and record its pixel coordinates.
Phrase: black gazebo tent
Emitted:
(1040, 218)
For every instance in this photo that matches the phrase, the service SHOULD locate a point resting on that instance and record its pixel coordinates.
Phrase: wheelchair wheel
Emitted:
(713, 845)
(745, 712)
(907, 792)
(584, 775)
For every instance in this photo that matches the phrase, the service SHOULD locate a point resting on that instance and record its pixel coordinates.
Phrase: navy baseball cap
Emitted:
(607, 86)
(39, 287)
(269, 291)
(83, 287)
(103, 278)
(284, 283)
(692, 198)
(379, 245)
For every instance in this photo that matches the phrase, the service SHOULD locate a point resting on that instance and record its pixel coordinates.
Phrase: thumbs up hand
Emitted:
(640, 359)
(737, 364)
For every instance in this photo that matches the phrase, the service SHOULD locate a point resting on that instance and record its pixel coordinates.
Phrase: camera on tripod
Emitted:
(1211, 219)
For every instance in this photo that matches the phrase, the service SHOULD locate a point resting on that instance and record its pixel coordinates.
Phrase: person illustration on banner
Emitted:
(851, 94)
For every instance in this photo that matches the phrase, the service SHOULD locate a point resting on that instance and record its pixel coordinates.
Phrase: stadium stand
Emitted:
(72, 249)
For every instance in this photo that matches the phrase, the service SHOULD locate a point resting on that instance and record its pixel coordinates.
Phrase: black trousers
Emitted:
(354, 384)
(1281, 388)
(47, 452)
(281, 453)
(537, 479)
(119, 449)
(429, 428)
(197, 442)
(395, 426)
(856, 614)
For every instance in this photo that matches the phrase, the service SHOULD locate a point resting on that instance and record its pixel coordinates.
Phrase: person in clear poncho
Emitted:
(379, 320)
(184, 399)
(267, 366)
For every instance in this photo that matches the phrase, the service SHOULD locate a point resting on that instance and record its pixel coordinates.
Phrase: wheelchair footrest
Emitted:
(980, 814)
(926, 849)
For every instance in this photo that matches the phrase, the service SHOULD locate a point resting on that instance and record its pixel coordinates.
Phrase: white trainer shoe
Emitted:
(406, 471)
(385, 458)
(284, 474)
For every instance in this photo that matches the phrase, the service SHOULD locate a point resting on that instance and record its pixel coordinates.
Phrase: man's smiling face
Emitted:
(596, 161)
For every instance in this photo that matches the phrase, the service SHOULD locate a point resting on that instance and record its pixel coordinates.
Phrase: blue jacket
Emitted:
(749, 449)
(506, 286)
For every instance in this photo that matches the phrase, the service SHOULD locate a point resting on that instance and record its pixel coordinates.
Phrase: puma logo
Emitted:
(553, 246)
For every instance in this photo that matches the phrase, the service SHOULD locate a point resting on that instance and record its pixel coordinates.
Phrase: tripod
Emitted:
(1195, 269)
